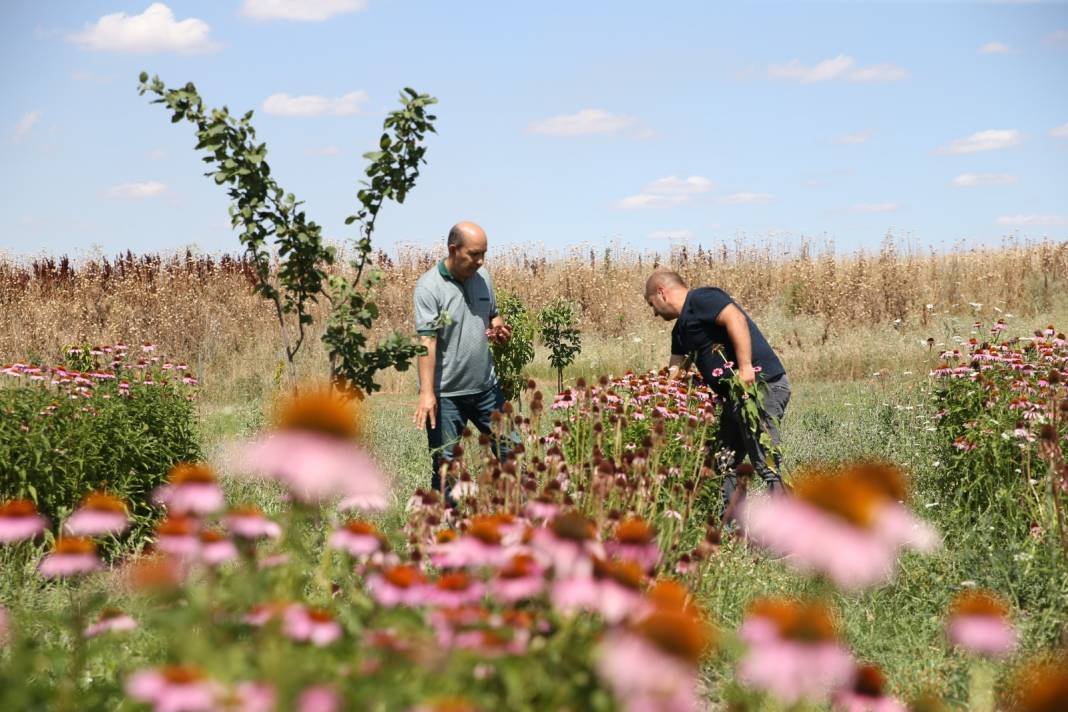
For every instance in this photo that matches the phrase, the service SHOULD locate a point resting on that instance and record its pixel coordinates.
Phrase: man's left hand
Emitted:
(747, 374)
(499, 333)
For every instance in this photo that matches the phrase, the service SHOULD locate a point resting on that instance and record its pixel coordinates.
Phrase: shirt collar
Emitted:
(444, 271)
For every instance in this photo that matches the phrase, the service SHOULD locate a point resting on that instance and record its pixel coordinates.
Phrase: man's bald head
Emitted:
(461, 232)
(663, 278)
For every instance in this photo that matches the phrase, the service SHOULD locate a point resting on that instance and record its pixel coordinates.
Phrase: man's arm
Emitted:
(427, 406)
(737, 326)
(500, 330)
(676, 363)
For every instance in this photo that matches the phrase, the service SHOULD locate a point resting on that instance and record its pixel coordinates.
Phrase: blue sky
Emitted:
(560, 123)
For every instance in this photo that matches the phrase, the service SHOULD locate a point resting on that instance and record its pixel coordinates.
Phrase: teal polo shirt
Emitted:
(458, 314)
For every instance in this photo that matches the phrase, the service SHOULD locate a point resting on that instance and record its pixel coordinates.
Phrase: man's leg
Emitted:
(443, 436)
(765, 462)
(480, 412)
(729, 438)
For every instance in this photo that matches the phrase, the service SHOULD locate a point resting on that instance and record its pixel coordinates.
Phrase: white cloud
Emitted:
(313, 105)
(25, 125)
(671, 235)
(154, 30)
(584, 123)
(156, 154)
(300, 10)
(1029, 220)
(1059, 37)
(994, 48)
(749, 198)
(879, 73)
(324, 151)
(972, 180)
(1059, 131)
(136, 191)
(854, 138)
(989, 140)
(667, 192)
(875, 207)
(840, 67)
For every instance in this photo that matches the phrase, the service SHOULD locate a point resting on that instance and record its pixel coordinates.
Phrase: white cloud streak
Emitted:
(989, 140)
(25, 125)
(587, 122)
(326, 151)
(841, 67)
(300, 10)
(1033, 220)
(875, 207)
(283, 104)
(668, 192)
(153, 31)
(749, 198)
(671, 235)
(994, 48)
(974, 180)
(1058, 37)
(136, 191)
(1059, 131)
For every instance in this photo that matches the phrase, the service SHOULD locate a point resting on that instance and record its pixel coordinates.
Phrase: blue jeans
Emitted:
(737, 437)
(454, 412)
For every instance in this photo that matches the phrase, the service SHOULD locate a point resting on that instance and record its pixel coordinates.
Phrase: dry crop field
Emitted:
(920, 564)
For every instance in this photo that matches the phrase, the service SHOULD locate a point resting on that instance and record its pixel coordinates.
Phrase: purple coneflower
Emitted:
(849, 525)
(248, 697)
(99, 514)
(794, 651)
(20, 521)
(455, 588)
(251, 524)
(71, 556)
(110, 620)
(635, 541)
(177, 535)
(174, 688)
(867, 693)
(313, 451)
(521, 578)
(570, 545)
(319, 698)
(979, 623)
(215, 548)
(359, 538)
(310, 625)
(191, 488)
(402, 585)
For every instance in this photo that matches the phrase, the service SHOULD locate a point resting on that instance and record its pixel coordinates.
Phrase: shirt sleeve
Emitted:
(677, 347)
(426, 312)
(709, 303)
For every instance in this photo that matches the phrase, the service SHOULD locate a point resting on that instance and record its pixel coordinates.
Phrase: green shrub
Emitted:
(512, 357)
(58, 445)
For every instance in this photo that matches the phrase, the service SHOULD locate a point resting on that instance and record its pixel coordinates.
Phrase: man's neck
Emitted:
(451, 267)
(678, 298)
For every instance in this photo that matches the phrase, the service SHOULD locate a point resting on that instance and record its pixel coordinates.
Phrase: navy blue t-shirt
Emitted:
(696, 332)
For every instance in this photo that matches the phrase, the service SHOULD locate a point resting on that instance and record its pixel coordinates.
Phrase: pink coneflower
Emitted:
(20, 521)
(71, 556)
(177, 535)
(979, 623)
(402, 585)
(521, 578)
(614, 591)
(849, 525)
(570, 544)
(314, 453)
(456, 588)
(653, 664)
(310, 625)
(447, 704)
(191, 488)
(1041, 685)
(635, 541)
(215, 548)
(110, 620)
(794, 651)
(319, 698)
(251, 524)
(99, 514)
(867, 693)
(262, 613)
(359, 538)
(482, 544)
(173, 688)
(542, 508)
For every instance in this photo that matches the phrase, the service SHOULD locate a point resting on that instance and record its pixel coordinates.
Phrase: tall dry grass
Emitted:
(828, 315)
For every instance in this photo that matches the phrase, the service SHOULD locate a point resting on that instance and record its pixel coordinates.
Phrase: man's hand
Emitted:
(747, 374)
(427, 407)
(499, 333)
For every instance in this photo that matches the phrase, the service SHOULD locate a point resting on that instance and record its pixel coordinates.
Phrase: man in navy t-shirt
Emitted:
(717, 336)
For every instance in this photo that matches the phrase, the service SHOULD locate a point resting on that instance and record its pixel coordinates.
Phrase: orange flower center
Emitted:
(634, 531)
(805, 621)
(74, 545)
(247, 510)
(321, 411)
(456, 581)
(18, 508)
(520, 566)
(403, 576)
(100, 502)
(361, 528)
(485, 529)
(320, 615)
(978, 603)
(181, 674)
(677, 633)
(573, 527)
(175, 526)
(185, 473)
(870, 681)
(445, 536)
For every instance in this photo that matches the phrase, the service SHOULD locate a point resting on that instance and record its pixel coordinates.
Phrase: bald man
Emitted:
(716, 334)
(456, 318)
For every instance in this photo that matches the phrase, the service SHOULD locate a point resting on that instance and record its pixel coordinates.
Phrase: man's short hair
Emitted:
(663, 277)
(456, 236)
